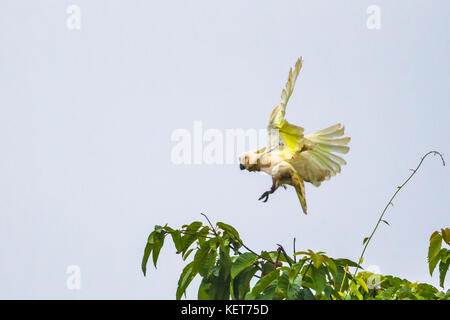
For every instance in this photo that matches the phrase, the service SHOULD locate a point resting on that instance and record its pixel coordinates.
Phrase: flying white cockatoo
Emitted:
(292, 158)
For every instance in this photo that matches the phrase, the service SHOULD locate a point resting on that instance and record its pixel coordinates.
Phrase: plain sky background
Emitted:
(86, 118)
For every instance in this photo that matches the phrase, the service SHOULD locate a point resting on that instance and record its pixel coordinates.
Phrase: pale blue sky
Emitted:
(86, 118)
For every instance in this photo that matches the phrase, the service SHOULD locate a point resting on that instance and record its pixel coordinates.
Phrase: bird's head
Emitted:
(250, 161)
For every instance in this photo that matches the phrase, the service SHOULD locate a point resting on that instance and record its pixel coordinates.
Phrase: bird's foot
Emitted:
(264, 196)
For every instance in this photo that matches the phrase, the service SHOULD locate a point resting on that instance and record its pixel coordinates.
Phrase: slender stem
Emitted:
(280, 247)
(212, 227)
(257, 266)
(250, 250)
(278, 257)
(390, 203)
(295, 257)
(234, 249)
(343, 279)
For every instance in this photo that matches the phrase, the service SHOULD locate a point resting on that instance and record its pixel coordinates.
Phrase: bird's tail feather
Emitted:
(299, 186)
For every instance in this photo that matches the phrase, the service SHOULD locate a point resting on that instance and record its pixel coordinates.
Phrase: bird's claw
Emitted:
(264, 195)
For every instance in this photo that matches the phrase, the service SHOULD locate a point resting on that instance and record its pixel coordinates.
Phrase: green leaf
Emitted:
(298, 253)
(344, 262)
(319, 279)
(187, 253)
(186, 277)
(176, 238)
(202, 233)
(332, 267)
(365, 240)
(446, 235)
(151, 238)
(445, 255)
(200, 257)
(443, 268)
(267, 267)
(290, 281)
(305, 294)
(229, 229)
(242, 262)
(159, 229)
(388, 293)
(318, 259)
(283, 283)
(241, 283)
(267, 294)
(204, 289)
(214, 287)
(224, 261)
(329, 291)
(295, 270)
(158, 244)
(264, 282)
(207, 264)
(433, 251)
(294, 289)
(427, 291)
(269, 255)
(194, 226)
(190, 235)
(354, 289)
(363, 284)
(214, 243)
(385, 222)
(147, 252)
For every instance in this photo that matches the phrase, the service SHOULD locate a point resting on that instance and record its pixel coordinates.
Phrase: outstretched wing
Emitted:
(317, 162)
(282, 134)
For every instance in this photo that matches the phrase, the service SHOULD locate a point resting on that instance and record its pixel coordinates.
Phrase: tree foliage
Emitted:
(231, 270)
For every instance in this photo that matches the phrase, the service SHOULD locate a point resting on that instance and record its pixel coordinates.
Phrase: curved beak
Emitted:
(241, 166)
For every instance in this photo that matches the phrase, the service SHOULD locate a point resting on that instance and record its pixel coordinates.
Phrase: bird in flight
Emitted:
(291, 157)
